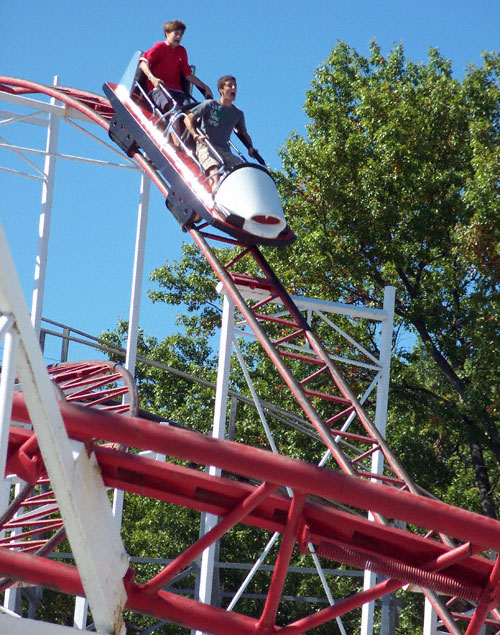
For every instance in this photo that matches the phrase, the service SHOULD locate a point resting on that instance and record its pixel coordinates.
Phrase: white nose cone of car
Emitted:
(248, 198)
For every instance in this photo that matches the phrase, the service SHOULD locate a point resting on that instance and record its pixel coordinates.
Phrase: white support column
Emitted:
(7, 378)
(80, 613)
(430, 619)
(81, 604)
(220, 409)
(78, 486)
(432, 622)
(135, 306)
(137, 274)
(368, 609)
(387, 325)
(45, 218)
(12, 594)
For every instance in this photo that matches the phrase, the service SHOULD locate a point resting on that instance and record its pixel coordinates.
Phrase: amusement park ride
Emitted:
(66, 432)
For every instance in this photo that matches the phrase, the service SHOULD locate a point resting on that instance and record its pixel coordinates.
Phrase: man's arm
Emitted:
(145, 68)
(201, 85)
(190, 123)
(245, 137)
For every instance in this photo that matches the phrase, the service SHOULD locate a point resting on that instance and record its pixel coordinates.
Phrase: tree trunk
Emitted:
(483, 481)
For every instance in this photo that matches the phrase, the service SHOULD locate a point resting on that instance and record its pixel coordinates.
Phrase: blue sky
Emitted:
(271, 46)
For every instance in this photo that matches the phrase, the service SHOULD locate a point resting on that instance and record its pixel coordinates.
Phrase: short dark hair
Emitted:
(222, 80)
(174, 25)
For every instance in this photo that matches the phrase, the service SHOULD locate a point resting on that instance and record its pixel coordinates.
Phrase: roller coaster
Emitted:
(67, 432)
(245, 203)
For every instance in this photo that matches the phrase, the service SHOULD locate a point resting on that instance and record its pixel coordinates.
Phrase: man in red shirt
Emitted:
(167, 62)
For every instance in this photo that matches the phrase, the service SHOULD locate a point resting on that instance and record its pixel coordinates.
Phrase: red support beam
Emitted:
(237, 514)
(86, 425)
(268, 617)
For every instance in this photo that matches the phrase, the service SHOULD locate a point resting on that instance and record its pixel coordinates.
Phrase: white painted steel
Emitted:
(384, 374)
(433, 625)
(324, 583)
(11, 596)
(10, 625)
(7, 377)
(250, 192)
(133, 330)
(316, 305)
(43, 106)
(383, 378)
(253, 570)
(218, 432)
(137, 274)
(80, 613)
(94, 537)
(368, 609)
(430, 619)
(45, 216)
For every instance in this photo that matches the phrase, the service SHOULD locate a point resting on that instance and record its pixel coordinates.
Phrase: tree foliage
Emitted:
(397, 183)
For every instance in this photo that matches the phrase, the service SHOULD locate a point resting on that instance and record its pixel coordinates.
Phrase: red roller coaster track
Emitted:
(306, 504)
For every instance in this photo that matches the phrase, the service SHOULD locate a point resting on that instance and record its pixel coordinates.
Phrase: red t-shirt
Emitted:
(168, 63)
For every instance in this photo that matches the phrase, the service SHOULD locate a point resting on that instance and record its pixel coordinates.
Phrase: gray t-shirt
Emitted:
(217, 121)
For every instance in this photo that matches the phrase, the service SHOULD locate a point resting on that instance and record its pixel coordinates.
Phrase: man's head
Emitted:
(174, 25)
(226, 86)
(174, 31)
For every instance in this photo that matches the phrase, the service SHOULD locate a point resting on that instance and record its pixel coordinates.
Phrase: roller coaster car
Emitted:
(245, 203)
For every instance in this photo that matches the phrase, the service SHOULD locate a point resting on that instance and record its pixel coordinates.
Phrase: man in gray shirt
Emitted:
(216, 120)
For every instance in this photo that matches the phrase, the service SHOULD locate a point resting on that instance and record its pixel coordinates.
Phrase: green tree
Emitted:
(397, 183)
